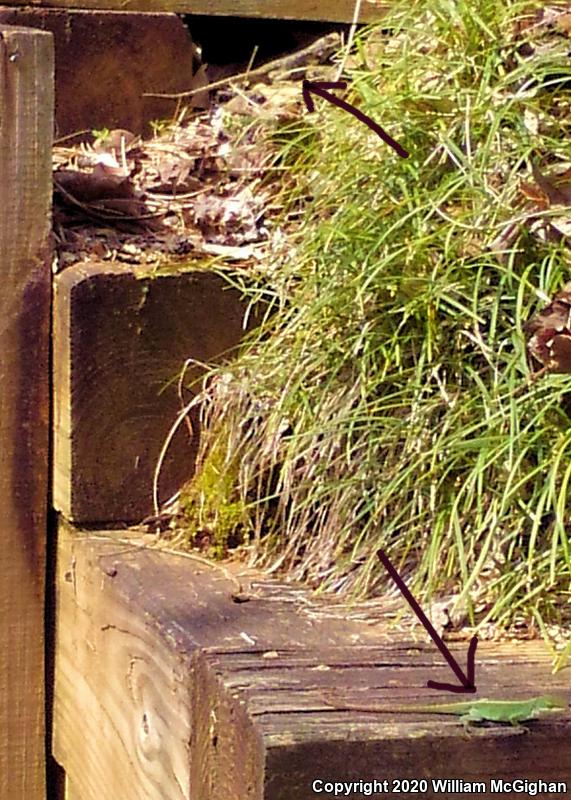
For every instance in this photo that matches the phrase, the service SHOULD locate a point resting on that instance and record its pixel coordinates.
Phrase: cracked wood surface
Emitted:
(168, 688)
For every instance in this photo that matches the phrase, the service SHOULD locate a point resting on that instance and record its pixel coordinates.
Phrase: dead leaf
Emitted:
(556, 187)
(550, 331)
(86, 187)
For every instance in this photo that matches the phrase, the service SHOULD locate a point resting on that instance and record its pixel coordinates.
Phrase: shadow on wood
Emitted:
(26, 125)
(121, 338)
(167, 688)
(106, 61)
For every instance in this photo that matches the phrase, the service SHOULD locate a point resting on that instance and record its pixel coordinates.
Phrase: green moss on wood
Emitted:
(210, 504)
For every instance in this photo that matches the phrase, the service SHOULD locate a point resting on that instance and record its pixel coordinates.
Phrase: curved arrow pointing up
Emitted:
(320, 88)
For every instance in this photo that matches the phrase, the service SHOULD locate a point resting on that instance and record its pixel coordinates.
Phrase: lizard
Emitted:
(511, 712)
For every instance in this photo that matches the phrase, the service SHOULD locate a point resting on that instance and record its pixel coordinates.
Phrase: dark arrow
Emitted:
(466, 680)
(320, 88)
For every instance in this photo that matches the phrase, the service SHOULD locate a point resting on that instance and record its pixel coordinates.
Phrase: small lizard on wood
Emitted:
(511, 712)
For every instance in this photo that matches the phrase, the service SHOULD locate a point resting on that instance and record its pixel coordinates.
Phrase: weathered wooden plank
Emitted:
(26, 125)
(122, 713)
(130, 701)
(121, 338)
(208, 698)
(107, 62)
(300, 739)
(326, 10)
(70, 792)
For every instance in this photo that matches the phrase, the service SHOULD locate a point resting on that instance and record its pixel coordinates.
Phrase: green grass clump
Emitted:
(385, 403)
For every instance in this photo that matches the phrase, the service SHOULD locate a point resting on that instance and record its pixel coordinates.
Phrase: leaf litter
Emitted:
(203, 187)
(207, 187)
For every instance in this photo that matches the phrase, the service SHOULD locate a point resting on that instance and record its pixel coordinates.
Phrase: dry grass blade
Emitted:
(388, 403)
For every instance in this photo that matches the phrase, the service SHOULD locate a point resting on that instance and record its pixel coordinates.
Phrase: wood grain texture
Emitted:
(106, 62)
(26, 125)
(121, 713)
(304, 739)
(70, 792)
(228, 755)
(327, 10)
(236, 701)
(120, 340)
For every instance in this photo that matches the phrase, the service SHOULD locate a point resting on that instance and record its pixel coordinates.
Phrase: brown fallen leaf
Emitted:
(102, 196)
(550, 331)
(532, 192)
(86, 187)
(563, 23)
(556, 188)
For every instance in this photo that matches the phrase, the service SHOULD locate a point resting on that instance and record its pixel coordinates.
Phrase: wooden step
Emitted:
(332, 10)
(180, 680)
(120, 340)
(106, 63)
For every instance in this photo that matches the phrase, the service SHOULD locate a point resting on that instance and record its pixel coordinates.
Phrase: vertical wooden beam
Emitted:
(26, 125)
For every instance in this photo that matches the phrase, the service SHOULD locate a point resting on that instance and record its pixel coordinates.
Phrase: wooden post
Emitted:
(26, 124)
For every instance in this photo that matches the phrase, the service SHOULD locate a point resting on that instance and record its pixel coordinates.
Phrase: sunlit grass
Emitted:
(387, 402)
